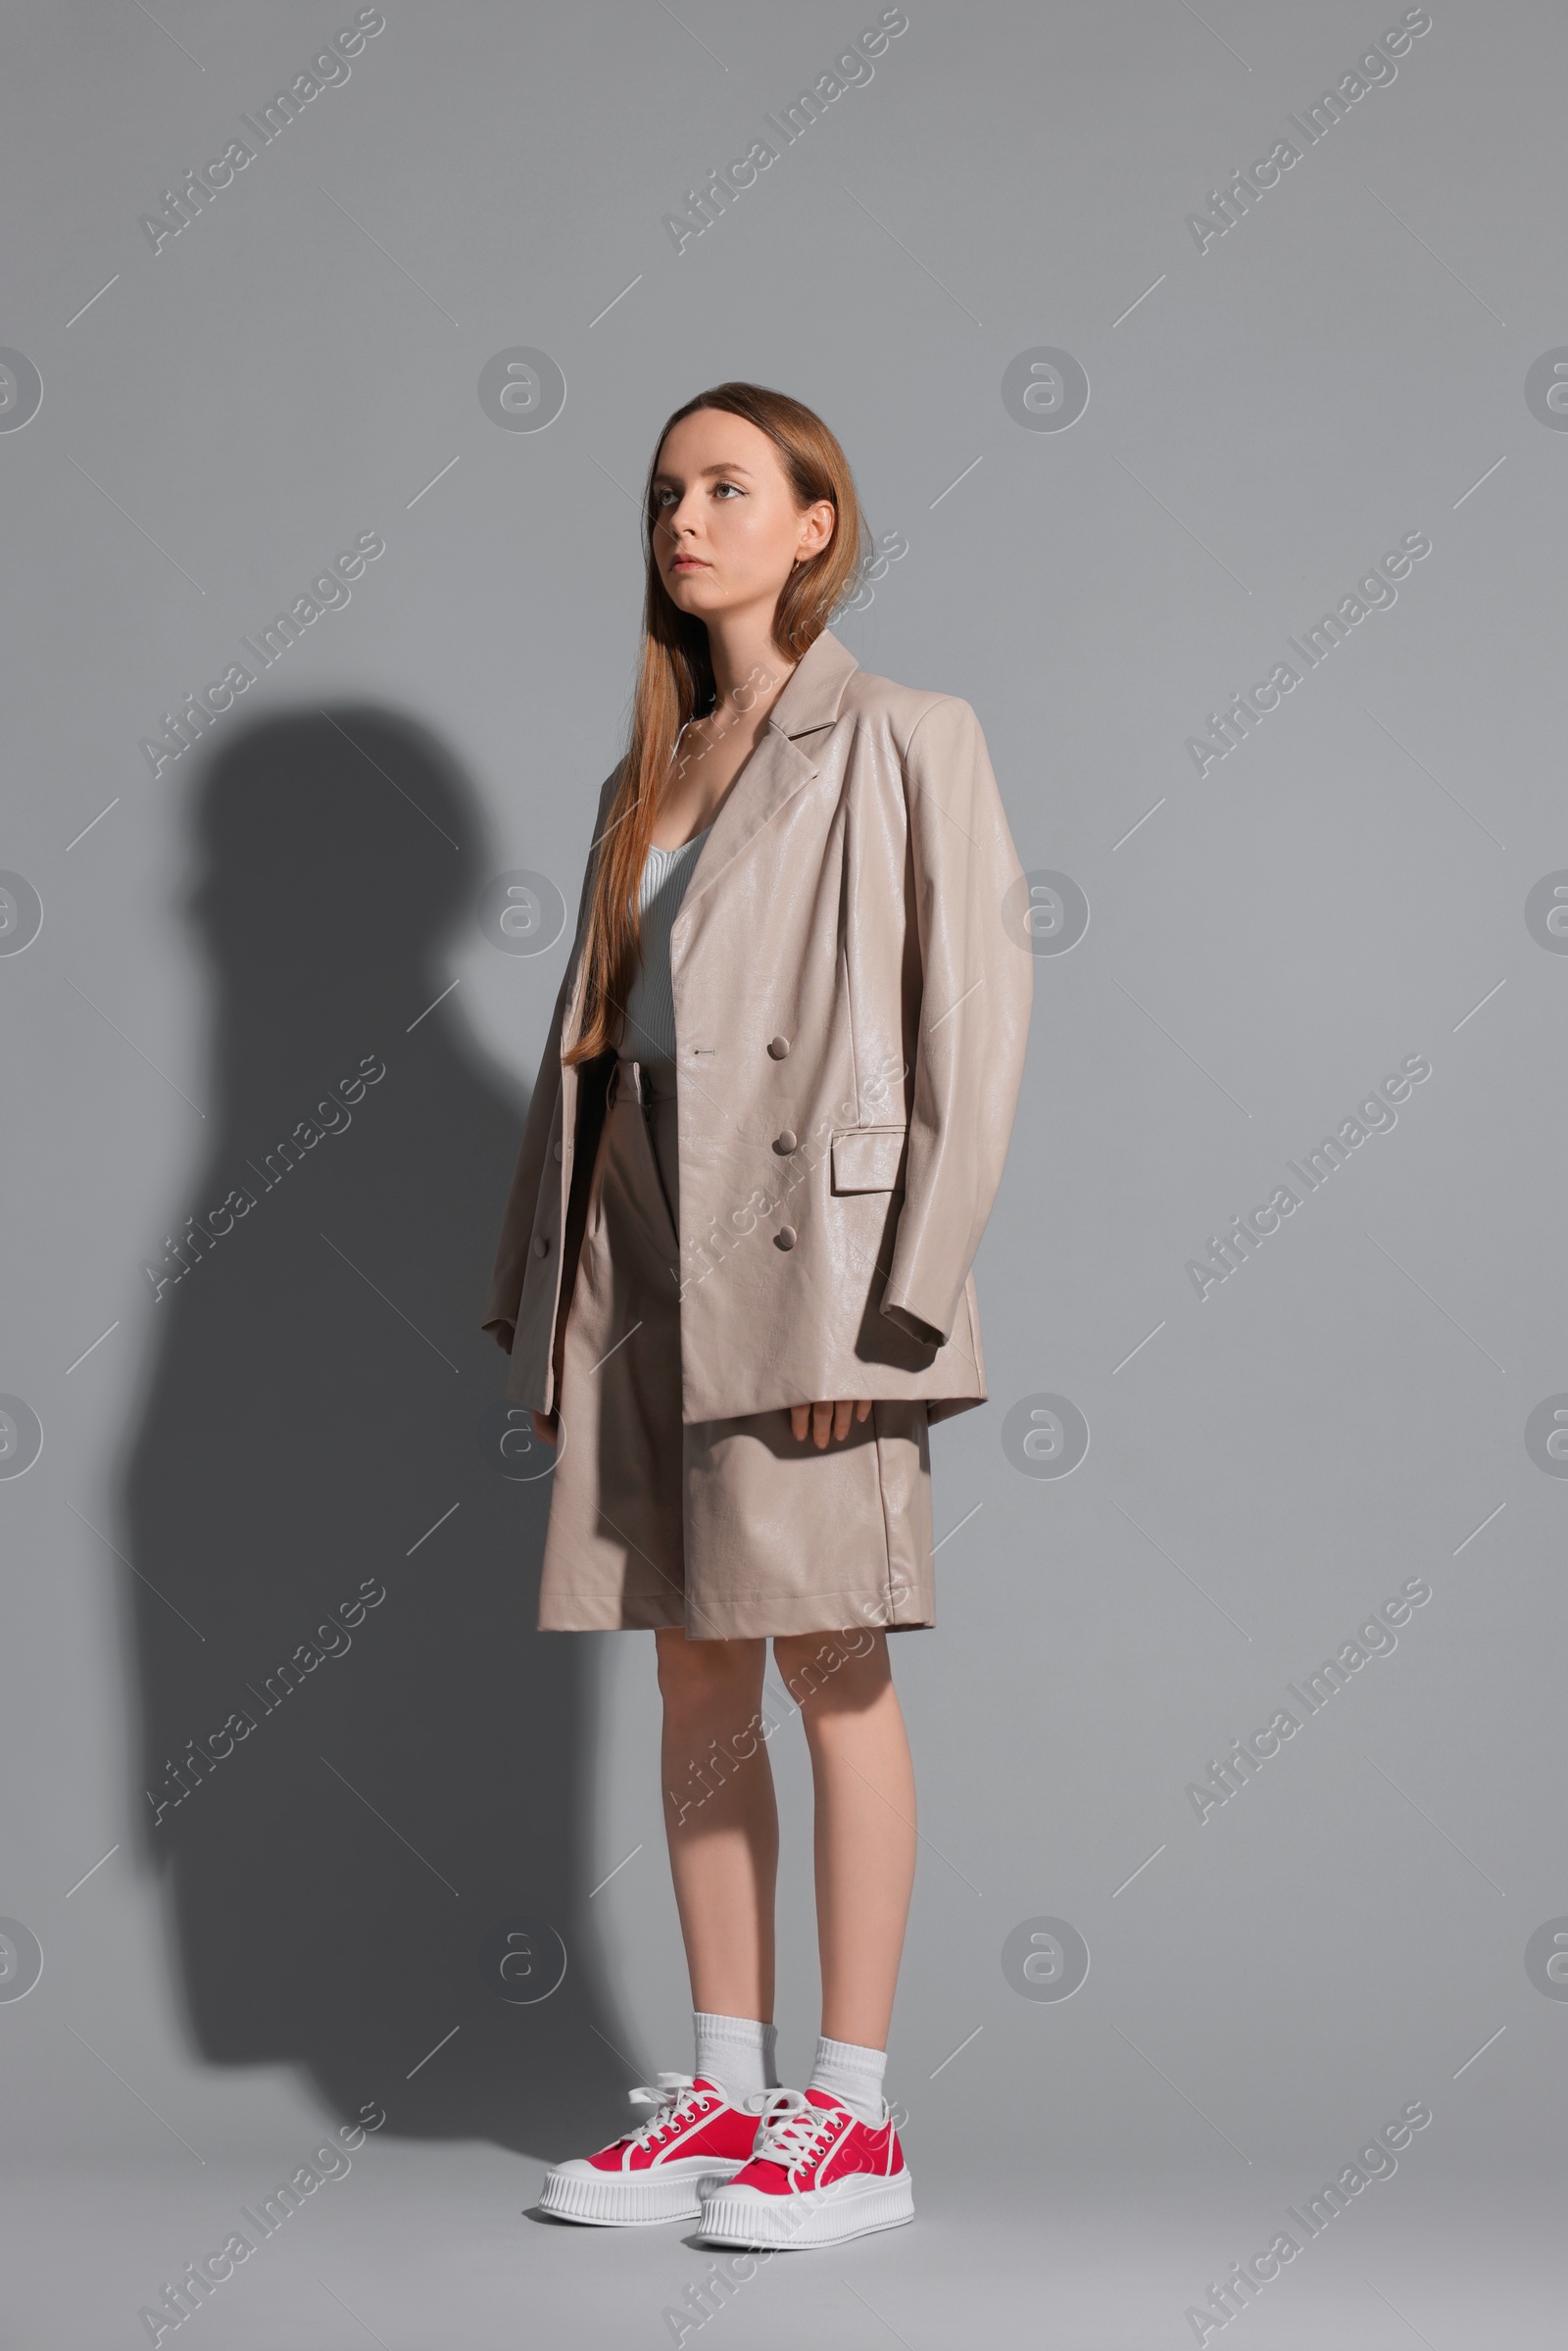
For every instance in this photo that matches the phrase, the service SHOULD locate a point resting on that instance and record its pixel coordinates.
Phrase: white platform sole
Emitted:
(826, 2216)
(631, 2199)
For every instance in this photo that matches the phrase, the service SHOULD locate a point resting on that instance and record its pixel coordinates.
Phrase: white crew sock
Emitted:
(852, 2074)
(736, 2052)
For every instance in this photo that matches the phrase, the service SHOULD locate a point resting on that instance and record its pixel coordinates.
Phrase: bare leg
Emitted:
(865, 1838)
(720, 1819)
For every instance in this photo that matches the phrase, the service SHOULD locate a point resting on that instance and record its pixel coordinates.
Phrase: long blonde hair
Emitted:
(675, 680)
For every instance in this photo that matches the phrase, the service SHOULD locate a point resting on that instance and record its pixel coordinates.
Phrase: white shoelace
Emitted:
(791, 2127)
(675, 2092)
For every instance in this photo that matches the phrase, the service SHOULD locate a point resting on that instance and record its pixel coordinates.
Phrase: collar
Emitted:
(777, 768)
(816, 687)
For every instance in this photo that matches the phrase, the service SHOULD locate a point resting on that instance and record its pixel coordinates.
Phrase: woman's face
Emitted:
(726, 528)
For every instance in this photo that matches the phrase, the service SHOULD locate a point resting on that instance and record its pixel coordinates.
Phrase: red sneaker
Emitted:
(819, 2175)
(652, 2174)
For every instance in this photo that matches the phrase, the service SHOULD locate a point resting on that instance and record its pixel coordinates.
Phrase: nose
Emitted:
(676, 520)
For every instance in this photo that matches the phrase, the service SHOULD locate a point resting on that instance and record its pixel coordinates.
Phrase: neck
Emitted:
(749, 673)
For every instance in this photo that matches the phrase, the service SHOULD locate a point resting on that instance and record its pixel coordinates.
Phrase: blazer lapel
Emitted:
(781, 764)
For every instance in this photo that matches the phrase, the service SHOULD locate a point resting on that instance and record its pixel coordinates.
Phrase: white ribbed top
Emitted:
(649, 1030)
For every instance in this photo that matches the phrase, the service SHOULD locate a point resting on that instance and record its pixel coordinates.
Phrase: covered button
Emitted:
(778, 1047)
(541, 1246)
(784, 1237)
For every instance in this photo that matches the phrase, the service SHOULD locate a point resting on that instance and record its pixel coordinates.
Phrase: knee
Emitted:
(851, 1664)
(802, 1660)
(694, 1677)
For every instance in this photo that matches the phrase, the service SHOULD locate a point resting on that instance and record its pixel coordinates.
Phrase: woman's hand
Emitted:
(822, 1420)
(828, 1419)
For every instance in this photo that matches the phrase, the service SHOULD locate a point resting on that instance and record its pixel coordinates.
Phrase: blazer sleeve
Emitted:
(533, 1159)
(977, 982)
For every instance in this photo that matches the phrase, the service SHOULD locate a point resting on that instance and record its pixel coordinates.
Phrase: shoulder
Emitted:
(881, 707)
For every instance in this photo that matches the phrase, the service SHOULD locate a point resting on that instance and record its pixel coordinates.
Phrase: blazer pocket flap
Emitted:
(869, 1159)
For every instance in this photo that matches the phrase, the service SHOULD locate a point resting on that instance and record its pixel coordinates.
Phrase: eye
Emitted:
(728, 485)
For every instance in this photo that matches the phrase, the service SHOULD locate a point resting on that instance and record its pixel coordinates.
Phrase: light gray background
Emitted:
(1343, 367)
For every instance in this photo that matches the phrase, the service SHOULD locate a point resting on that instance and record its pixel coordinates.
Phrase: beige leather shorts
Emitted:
(733, 1528)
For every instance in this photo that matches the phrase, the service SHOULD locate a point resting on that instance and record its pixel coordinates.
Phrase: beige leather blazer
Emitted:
(852, 1006)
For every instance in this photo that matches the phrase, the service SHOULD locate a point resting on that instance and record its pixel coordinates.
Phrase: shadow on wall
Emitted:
(401, 1776)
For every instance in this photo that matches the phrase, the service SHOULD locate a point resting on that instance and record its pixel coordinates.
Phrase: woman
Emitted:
(734, 1278)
